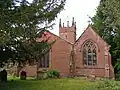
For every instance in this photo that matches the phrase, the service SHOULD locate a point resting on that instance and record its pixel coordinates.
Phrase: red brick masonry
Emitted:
(66, 46)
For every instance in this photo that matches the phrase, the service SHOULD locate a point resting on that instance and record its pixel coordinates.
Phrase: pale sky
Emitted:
(80, 10)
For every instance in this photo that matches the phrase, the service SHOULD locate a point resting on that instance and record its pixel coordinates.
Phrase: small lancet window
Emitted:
(44, 61)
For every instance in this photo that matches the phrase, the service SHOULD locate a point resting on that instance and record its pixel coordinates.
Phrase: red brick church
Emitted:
(88, 55)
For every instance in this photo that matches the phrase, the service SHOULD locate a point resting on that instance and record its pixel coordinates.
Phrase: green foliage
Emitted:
(108, 85)
(23, 22)
(107, 23)
(53, 74)
(49, 84)
(117, 76)
(5, 53)
(3, 76)
(58, 84)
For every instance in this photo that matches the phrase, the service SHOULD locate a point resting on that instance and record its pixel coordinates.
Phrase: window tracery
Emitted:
(89, 53)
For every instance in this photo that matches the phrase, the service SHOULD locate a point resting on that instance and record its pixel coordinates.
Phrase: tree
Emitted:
(22, 22)
(5, 54)
(107, 23)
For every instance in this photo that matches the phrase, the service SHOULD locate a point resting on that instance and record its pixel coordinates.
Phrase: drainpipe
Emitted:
(72, 62)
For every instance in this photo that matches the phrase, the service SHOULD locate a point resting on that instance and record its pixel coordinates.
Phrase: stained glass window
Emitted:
(89, 53)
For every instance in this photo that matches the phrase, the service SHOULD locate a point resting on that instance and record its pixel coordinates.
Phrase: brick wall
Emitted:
(102, 55)
(61, 51)
(60, 56)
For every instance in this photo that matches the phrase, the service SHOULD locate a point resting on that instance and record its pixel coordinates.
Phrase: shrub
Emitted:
(53, 74)
(117, 76)
(108, 85)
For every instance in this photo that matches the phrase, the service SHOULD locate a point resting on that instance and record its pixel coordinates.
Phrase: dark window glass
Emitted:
(89, 54)
(44, 61)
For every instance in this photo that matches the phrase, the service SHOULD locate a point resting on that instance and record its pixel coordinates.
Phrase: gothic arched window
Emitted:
(44, 61)
(89, 53)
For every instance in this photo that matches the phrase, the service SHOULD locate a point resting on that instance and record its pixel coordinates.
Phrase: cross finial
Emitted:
(67, 23)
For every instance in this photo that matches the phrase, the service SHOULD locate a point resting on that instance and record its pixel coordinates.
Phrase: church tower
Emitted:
(68, 32)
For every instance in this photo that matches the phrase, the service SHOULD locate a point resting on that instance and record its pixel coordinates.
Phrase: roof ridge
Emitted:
(59, 37)
(90, 26)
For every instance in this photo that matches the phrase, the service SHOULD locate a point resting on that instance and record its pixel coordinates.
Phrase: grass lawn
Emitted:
(60, 84)
(50, 84)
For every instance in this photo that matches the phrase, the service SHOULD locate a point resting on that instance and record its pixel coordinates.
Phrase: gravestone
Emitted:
(3, 76)
(23, 75)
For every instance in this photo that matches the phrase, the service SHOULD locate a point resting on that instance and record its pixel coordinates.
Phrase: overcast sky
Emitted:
(80, 10)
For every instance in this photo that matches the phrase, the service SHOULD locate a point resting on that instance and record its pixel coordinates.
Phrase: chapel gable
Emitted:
(90, 35)
(92, 55)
